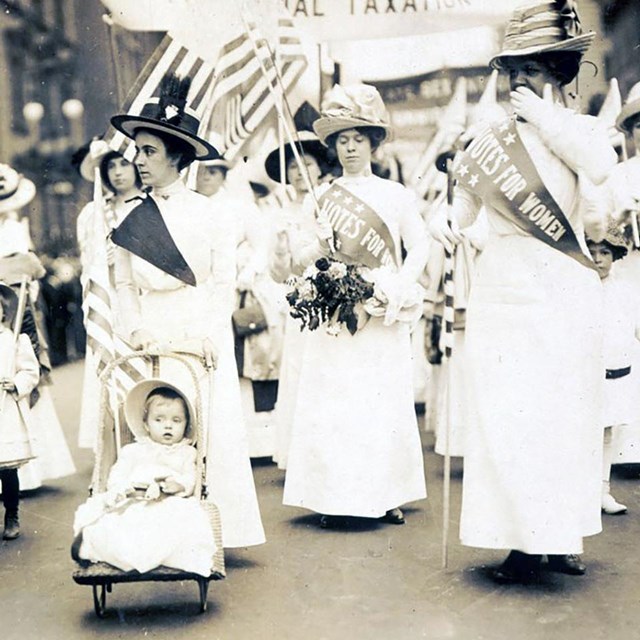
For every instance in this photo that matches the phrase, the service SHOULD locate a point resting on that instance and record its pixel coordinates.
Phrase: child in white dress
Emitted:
(148, 516)
(621, 329)
(19, 375)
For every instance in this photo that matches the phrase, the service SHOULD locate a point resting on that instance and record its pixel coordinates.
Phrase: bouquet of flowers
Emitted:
(329, 292)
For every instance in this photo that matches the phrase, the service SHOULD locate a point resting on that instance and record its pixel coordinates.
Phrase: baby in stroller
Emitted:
(148, 516)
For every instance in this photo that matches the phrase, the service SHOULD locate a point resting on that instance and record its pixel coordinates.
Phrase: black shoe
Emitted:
(11, 525)
(325, 522)
(393, 516)
(518, 568)
(569, 564)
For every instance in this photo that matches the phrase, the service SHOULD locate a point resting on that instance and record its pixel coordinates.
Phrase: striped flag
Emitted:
(241, 99)
(99, 297)
(231, 97)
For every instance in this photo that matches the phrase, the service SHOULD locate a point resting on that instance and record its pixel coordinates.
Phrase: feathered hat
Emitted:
(630, 109)
(168, 113)
(543, 27)
(135, 402)
(307, 143)
(351, 107)
(16, 191)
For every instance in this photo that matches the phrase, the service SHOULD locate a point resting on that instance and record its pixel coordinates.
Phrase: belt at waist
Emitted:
(612, 374)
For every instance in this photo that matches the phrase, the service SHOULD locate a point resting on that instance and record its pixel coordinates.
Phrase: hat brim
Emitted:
(8, 293)
(24, 194)
(128, 124)
(579, 44)
(326, 126)
(313, 148)
(134, 407)
(627, 112)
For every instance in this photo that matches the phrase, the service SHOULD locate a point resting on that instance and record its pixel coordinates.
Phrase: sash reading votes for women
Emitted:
(497, 167)
(361, 236)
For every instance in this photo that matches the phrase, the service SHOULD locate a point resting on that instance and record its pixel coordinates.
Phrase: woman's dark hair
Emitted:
(176, 148)
(104, 170)
(563, 65)
(376, 137)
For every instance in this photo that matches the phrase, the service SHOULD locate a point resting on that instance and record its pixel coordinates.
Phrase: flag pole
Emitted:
(449, 316)
(285, 124)
(113, 47)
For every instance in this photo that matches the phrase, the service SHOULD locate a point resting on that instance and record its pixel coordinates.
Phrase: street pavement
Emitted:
(363, 579)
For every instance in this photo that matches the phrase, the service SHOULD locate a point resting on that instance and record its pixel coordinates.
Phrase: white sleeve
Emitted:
(27, 367)
(413, 233)
(582, 142)
(127, 291)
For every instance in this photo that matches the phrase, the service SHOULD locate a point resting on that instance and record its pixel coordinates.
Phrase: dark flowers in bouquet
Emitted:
(329, 292)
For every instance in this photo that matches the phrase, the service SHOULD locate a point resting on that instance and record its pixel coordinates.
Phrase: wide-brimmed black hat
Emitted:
(169, 114)
(307, 144)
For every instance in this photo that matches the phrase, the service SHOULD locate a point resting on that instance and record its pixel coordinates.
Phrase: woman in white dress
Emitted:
(534, 333)
(294, 229)
(94, 223)
(355, 447)
(622, 193)
(175, 278)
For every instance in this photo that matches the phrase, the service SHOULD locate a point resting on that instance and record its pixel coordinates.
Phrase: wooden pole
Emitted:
(449, 316)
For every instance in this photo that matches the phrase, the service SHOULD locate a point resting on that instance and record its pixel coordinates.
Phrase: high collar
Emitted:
(170, 190)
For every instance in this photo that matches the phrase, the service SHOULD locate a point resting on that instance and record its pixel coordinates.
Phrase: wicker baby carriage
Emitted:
(113, 434)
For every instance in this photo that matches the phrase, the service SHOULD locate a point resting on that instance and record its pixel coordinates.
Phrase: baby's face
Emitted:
(166, 420)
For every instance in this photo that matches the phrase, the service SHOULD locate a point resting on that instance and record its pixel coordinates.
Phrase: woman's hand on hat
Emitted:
(444, 228)
(210, 354)
(530, 107)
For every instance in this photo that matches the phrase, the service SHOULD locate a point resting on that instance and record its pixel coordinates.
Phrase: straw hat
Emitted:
(630, 109)
(136, 399)
(307, 143)
(350, 107)
(10, 303)
(543, 27)
(16, 191)
(168, 114)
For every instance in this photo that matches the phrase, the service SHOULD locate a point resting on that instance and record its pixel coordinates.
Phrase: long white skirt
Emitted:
(292, 356)
(53, 459)
(533, 463)
(355, 447)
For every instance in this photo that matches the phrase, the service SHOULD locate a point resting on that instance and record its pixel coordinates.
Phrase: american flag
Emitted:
(98, 303)
(232, 97)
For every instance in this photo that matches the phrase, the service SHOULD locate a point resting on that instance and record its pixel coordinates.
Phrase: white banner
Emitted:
(332, 20)
(322, 20)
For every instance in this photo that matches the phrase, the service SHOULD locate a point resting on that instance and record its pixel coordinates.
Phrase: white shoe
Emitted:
(611, 507)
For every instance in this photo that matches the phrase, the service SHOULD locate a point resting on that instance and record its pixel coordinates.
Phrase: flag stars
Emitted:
(505, 126)
(509, 139)
(360, 208)
(463, 170)
(337, 195)
(348, 200)
(473, 180)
